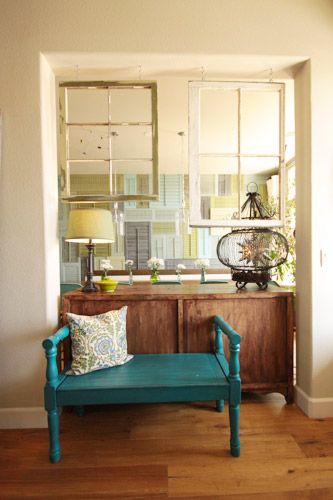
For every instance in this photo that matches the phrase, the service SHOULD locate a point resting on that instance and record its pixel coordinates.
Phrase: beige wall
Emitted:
(303, 227)
(242, 34)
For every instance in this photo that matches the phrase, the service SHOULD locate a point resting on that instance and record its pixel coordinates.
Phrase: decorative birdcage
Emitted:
(251, 254)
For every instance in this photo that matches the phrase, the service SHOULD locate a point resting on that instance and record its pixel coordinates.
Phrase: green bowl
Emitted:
(107, 285)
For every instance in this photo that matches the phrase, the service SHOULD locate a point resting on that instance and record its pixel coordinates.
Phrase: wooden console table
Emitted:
(178, 318)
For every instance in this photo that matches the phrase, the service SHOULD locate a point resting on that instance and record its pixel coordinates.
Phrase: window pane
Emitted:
(132, 142)
(132, 167)
(87, 105)
(262, 176)
(88, 143)
(260, 122)
(218, 121)
(88, 178)
(219, 188)
(130, 105)
(291, 183)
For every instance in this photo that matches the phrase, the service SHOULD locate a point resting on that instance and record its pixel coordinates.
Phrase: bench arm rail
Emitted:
(234, 340)
(220, 324)
(54, 340)
(50, 346)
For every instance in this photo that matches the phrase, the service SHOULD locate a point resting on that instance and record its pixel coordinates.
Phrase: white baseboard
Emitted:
(314, 407)
(23, 418)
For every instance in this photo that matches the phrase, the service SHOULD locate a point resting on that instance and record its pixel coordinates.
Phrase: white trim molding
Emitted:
(314, 407)
(23, 418)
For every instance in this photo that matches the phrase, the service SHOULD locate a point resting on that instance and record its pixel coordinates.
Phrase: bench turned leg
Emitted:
(220, 405)
(80, 411)
(53, 422)
(234, 430)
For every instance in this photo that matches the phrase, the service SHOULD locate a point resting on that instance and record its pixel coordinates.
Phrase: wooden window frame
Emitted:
(194, 152)
(66, 195)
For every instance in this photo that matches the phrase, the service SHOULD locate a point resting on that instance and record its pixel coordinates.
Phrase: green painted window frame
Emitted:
(66, 195)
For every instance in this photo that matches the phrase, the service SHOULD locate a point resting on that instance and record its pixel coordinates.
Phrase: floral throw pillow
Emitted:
(98, 341)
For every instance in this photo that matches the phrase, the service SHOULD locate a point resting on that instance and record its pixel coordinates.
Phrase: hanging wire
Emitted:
(182, 135)
(115, 135)
(77, 72)
(181, 216)
(270, 75)
(203, 73)
(140, 72)
(118, 216)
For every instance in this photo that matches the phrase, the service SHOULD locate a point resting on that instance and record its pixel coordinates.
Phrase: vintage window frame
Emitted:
(66, 196)
(194, 152)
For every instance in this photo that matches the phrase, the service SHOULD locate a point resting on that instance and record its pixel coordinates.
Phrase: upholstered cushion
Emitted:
(98, 341)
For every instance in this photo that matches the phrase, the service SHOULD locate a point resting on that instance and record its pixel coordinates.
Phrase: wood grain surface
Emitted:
(261, 324)
(193, 289)
(175, 450)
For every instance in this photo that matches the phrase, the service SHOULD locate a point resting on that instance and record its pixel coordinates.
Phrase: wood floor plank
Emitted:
(319, 444)
(180, 450)
(98, 482)
(318, 494)
(252, 477)
(181, 428)
(176, 450)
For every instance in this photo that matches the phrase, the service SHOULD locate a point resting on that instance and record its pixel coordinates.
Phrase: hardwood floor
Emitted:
(172, 451)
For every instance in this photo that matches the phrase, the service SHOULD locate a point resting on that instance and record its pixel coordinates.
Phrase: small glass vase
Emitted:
(179, 277)
(203, 276)
(104, 275)
(130, 277)
(154, 277)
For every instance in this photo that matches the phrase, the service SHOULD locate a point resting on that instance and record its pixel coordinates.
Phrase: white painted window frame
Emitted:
(195, 154)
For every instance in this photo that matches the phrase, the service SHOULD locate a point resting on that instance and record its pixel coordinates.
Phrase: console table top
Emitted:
(188, 289)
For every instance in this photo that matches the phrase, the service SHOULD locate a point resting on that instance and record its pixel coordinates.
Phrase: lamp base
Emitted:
(89, 287)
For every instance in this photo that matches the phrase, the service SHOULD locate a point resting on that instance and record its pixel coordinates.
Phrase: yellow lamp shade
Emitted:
(90, 225)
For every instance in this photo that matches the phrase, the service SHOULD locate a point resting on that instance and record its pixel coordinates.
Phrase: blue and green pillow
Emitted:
(98, 341)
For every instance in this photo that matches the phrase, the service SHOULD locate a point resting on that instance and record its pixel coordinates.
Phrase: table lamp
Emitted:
(90, 226)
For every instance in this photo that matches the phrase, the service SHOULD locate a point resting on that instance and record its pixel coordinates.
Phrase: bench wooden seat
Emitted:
(148, 378)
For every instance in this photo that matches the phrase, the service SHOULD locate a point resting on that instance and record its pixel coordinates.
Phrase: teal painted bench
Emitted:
(148, 378)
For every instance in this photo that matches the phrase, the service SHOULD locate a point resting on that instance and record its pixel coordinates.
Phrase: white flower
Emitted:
(202, 263)
(106, 265)
(179, 268)
(154, 263)
(129, 263)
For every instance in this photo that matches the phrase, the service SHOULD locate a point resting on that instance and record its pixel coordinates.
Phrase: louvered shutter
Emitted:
(138, 243)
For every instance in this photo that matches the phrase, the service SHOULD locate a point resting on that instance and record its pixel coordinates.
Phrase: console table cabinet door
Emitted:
(151, 326)
(261, 324)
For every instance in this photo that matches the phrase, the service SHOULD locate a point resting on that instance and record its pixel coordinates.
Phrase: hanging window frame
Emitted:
(195, 154)
(65, 125)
